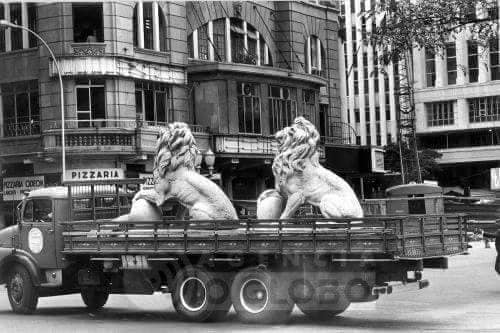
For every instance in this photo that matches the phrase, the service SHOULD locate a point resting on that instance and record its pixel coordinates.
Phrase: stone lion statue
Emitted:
(300, 179)
(176, 177)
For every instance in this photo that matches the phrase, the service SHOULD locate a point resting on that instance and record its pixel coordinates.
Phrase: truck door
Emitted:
(38, 231)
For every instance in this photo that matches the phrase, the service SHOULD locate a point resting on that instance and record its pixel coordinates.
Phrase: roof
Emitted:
(408, 189)
(59, 192)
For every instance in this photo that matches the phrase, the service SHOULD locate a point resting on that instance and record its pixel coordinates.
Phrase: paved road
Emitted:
(465, 297)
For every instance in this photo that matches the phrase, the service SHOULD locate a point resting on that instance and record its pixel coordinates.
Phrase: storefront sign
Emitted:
(149, 182)
(94, 174)
(377, 157)
(14, 188)
(495, 178)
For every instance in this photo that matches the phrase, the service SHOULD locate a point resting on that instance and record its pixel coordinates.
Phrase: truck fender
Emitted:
(20, 259)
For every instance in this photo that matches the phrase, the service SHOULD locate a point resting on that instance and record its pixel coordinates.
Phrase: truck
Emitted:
(66, 241)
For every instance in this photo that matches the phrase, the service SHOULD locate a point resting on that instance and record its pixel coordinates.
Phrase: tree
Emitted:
(427, 161)
(405, 25)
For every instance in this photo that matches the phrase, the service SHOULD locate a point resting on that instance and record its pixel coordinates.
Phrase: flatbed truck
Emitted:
(65, 241)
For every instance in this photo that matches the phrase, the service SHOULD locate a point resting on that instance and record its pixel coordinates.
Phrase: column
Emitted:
(156, 27)
(258, 48)
(343, 82)
(210, 32)
(392, 102)
(462, 59)
(441, 70)
(245, 37)
(308, 55)
(228, 40)
(484, 72)
(350, 77)
(419, 68)
(195, 44)
(266, 54)
(361, 76)
(24, 19)
(8, 44)
(318, 56)
(140, 25)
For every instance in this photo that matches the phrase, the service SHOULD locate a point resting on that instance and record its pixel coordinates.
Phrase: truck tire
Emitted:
(323, 302)
(94, 298)
(260, 297)
(199, 295)
(22, 293)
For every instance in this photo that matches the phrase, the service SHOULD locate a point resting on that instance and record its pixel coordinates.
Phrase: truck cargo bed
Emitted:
(404, 237)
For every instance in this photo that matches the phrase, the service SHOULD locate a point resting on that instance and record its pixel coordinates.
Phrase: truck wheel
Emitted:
(23, 295)
(323, 302)
(260, 297)
(199, 295)
(94, 298)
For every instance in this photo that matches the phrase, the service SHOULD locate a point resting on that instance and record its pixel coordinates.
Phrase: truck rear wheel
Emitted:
(94, 298)
(199, 295)
(23, 295)
(260, 297)
(323, 301)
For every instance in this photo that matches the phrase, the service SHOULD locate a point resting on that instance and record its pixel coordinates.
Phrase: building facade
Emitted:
(235, 71)
(458, 107)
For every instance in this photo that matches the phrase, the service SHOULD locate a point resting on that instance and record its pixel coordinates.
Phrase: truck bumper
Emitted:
(399, 287)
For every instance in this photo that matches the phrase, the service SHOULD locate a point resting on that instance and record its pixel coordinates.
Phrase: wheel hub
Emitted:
(254, 296)
(193, 294)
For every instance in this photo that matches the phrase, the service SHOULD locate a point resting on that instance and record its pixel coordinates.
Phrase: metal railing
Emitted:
(245, 144)
(21, 129)
(340, 133)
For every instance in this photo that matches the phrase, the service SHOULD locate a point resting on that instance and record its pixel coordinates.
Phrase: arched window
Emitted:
(149, 26)
(229, 40)
(314, 56)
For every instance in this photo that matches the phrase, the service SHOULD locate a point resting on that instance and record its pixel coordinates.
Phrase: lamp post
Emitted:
(6, 23)
(210, 161)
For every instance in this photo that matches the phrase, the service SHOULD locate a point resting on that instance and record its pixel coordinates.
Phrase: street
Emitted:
(463, 298)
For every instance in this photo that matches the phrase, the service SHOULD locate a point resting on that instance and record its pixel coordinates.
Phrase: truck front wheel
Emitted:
(94, 298)
(261, 297)
(23, 295)
(199, 295)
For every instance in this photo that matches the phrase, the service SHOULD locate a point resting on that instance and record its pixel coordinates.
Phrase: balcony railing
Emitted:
(21, 129)
(249, 144)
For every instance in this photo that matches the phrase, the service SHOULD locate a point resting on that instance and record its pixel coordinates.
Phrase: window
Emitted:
(38, 210)
(494, 59)
(309, 105)
(16, 35)
(282, 109)
(87, 23)
(365, 72)
(21, 112)
(430, 68)
(153, 103)
(90, 103)
(356, 115)
(32, 17)
(146, 28)
(451, 63)
(493, 11)
(484, 109)
(219, 39)
(314, 56)
(473, 57)
(248, 107)
(203, 42)
(440, 113)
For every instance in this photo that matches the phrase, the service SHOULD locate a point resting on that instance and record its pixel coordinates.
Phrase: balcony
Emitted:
(21, 129)
(340, 134)
(88, 49)
(105, 136)
(249, 145)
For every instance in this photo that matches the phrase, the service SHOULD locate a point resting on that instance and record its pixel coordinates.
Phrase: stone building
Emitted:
(235, 71)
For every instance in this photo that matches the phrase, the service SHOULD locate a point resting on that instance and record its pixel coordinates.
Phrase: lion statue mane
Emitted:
(300, 178)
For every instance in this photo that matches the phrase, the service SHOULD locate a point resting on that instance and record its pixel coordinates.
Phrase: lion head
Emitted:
(176, 147)
(296, 144)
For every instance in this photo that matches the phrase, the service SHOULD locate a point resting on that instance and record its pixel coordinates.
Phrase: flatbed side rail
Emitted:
(393, 236)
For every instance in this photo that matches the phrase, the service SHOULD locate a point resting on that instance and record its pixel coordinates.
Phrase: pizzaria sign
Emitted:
(94, 174)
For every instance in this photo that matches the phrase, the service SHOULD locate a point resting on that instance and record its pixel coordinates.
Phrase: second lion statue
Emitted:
(301, 179)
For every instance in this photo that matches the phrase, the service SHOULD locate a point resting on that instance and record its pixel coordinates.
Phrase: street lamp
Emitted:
(210, 161)
(6, 23)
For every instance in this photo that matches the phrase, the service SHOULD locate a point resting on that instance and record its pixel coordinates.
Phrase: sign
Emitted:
(35, 240)
(377, 157)
(149, 181)
(15, 187)
(94, 174)
(495, 178)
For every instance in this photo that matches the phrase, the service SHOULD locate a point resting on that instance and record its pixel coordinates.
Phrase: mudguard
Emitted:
(21, 258)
